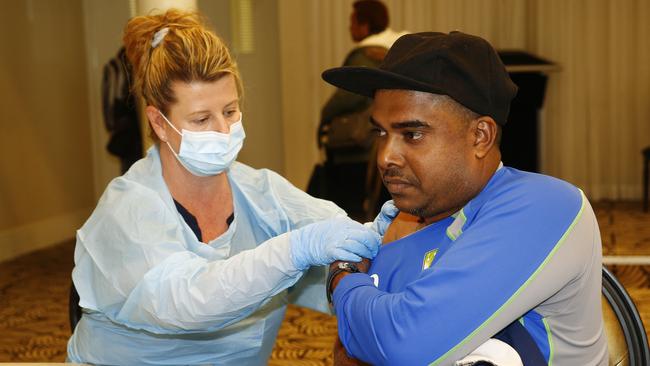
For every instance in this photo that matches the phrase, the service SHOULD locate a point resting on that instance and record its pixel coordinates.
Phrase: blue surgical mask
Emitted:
(209, 152)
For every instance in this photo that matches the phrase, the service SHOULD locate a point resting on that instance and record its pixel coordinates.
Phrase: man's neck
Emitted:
(485, 173)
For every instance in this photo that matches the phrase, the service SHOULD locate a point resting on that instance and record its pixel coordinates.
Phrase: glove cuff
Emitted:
(295, 251)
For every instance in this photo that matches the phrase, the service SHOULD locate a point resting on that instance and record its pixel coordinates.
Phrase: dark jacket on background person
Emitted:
(120, 111)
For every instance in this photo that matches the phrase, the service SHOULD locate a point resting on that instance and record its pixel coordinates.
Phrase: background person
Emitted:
(187, 257)
(347, 166)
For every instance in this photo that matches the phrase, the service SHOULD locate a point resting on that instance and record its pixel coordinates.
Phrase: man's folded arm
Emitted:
(474, 291)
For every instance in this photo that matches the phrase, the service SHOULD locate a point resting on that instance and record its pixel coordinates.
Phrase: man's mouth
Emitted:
(396, 185)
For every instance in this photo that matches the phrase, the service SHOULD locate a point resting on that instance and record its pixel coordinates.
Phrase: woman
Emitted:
(187, 257)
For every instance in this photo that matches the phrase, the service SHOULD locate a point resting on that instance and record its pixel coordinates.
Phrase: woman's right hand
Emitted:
(339, 238)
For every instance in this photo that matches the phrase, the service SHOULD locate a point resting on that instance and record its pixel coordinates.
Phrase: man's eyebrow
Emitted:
(404, 124)
(410, 124)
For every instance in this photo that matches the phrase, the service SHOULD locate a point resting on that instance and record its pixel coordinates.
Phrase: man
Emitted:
(348, 165)
(497, 245)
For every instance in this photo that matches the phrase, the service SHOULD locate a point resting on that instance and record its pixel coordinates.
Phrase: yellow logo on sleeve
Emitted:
(428, 258)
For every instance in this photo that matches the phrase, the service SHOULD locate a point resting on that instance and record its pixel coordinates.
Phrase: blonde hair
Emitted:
(188, 52)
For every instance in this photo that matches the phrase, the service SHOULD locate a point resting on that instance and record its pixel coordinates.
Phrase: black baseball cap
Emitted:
(461, 66)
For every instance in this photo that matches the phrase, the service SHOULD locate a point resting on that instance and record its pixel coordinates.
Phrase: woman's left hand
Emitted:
(387, 214)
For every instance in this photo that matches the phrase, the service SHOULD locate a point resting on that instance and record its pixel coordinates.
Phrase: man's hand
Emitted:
(363, 267)
(341, 357)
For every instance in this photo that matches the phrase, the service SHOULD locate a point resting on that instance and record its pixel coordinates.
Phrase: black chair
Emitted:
(627, 340)
(646, 180)
(74, 310)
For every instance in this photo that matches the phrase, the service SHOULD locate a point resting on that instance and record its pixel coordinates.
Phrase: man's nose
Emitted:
(389, 154)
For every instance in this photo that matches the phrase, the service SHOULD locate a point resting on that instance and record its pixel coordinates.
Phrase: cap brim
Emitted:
(366, 81)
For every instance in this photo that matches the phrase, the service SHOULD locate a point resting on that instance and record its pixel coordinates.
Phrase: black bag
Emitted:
(121, 116)
(317, 185)
(350, 131)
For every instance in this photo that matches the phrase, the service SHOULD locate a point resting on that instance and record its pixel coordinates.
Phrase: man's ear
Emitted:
(366, 29)
(485, 135)
(157, 122)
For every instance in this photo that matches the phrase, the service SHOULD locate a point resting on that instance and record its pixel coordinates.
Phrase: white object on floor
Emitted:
(493, 351)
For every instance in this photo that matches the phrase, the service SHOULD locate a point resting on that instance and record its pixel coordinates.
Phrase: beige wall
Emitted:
(103, 24)
(45, 153)
(260, 70)
(597, 109)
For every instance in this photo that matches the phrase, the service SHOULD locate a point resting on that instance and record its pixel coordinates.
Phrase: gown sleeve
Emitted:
(132, 265)
(302, 209)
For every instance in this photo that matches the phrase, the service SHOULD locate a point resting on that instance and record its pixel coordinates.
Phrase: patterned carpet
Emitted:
(34, 297)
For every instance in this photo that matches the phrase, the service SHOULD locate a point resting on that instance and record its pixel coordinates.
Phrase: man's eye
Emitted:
(378, 132)
(229, 113)
(414, 135)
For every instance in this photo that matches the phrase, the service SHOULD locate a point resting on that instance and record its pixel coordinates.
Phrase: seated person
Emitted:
(500, 245)
(401, 262)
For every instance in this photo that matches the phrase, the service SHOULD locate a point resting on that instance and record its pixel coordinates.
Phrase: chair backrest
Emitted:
(626, 337)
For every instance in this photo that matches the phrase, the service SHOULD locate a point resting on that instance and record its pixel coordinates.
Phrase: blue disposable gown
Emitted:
(153, 294)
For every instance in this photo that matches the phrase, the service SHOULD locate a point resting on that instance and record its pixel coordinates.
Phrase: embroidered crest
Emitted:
(428, 258)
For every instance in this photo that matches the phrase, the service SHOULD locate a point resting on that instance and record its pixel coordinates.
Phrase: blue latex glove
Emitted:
(339, 238)
(387, 214)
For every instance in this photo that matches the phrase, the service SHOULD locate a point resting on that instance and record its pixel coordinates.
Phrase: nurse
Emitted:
(189, 256)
